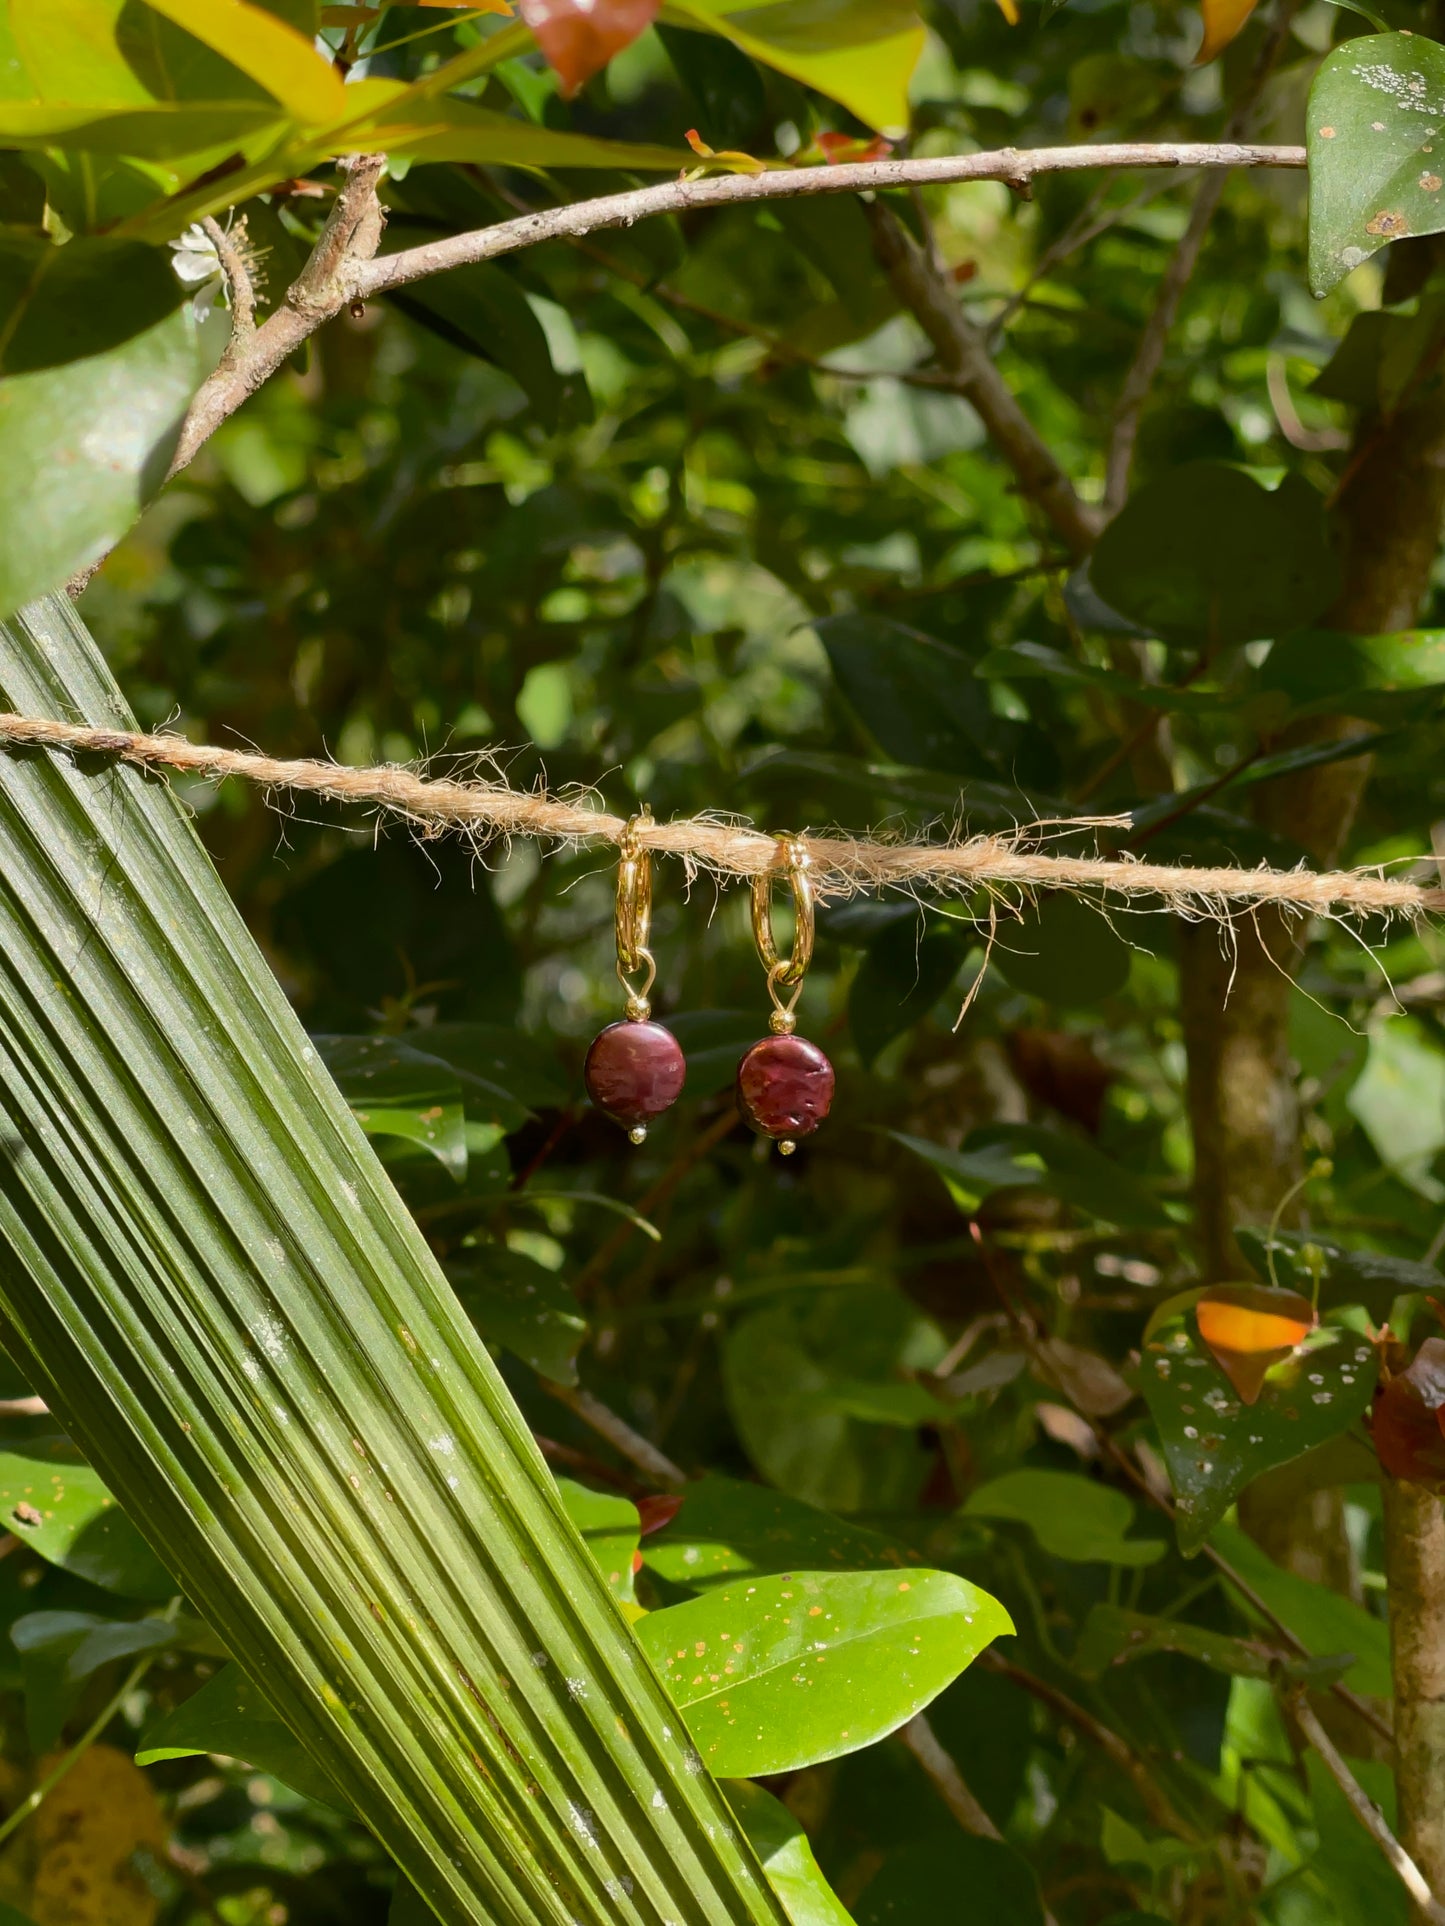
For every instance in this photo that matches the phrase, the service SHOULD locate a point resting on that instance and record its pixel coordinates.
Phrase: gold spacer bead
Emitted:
(782, 1023)
(786, 1147)
(637, 1134)
(638, 1009)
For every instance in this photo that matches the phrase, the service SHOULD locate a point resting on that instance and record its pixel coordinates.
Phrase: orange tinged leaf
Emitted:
(579, 37)
(1408, 1421)
(1223, 19)
(1249, 1328)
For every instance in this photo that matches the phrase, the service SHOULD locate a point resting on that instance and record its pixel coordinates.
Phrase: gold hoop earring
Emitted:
(785, 1084)
(635, 1069)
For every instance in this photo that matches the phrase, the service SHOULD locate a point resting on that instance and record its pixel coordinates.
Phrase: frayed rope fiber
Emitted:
(840, 865)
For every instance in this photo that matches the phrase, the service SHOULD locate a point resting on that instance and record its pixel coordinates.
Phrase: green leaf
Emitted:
(775, 1673)
(1206, 555)
(1071, 1516)
(713, 1041)
(1112, 1637)
(1376, 112)
(727, 1529)
(1361, 1882)
(953, 1876)
(212, 1281)
(425, 127)
(83, 447)
(903, 974)
(1030, 1156)
(84, 1642)
(1214, 1444)
(1372, 1278)
(1063, 950)
(1400, 1099)
(916, 697)
(786, 1855)
(861, 53)
(63, 1511)
(269, 51)
(1125, 1845)
(1324, 1621)
(229, 1716)
(482, 309)
(397, 1091)
(1020, 661)
(517, 1303)
(610, 1530)
(1320, 668)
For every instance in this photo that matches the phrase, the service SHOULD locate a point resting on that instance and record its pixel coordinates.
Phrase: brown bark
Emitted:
(1415, 1569)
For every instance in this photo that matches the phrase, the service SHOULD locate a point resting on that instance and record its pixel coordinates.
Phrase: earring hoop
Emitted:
(785, 972)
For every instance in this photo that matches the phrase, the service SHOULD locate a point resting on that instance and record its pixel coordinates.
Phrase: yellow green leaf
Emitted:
(1223, 19)
(282, 60)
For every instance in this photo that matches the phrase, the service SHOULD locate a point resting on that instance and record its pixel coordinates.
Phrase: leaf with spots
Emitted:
(1214, 1443)
(776, 1673)
(62, 1510)
(1376, 138)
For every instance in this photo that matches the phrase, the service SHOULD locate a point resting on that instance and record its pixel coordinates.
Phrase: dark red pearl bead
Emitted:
(634, 1071)
(785, 1087)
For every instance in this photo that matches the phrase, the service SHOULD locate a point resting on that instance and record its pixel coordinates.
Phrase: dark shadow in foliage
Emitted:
(379, 922)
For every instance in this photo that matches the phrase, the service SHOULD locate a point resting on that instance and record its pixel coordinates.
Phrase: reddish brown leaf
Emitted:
(1248, 1328)
(654, 1513)
(1408, 1422)
(579, 37)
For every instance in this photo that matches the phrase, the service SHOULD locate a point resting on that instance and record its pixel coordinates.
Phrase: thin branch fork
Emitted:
(344, 267)
(1367, 1812)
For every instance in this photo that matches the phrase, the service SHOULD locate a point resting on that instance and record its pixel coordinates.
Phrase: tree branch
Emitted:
(1368, 1813)
(1149, 356)
(336, 275)
(950, 1785)
(962, 349)
(351, 235)
(238, 283)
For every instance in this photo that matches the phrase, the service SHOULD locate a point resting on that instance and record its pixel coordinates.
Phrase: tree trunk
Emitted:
(1244, 1111)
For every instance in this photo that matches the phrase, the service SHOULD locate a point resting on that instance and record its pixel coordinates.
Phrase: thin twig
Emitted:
(239, 284)
(629, 1444)
(1010, 867)
(1117, 1750)
(1149, 356)
(77, 1752)
(335, 282)
(23, 1407)
(691, 1154)
(1367, 1812)
(948, 1782)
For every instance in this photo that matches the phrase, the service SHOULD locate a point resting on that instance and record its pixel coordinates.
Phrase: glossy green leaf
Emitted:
(517, 1303)
(774, 1673)
(212, 1280)
(978, 1882)
(64, 1511)
(229, 1716)
(915, 696)
(1324, 1621)
(1215, 1445)
(83, 447)
(727, 1529)
(1024, 1156)
(1205, 555)
(1063, 950)
(861, 53)
(609, 1527)
(1400, 1099)
(1373, 130)
(1025, 661)
(437, 128)
(1071, 1516)
(415, 1072)
(786, 1855)
(903, 974)
(1113, 1636)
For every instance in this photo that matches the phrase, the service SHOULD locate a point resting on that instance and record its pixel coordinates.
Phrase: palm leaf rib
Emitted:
(209, 1275)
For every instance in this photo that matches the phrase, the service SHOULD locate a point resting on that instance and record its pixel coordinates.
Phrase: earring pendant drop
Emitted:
(634, 1069)
(785, 1083)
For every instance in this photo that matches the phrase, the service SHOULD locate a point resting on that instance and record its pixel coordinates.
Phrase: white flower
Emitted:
(199, 266)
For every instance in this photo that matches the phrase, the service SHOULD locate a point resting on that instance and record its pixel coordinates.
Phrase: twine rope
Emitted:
(841, 865)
